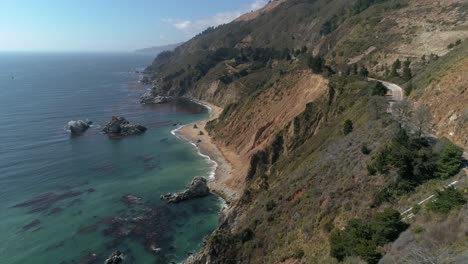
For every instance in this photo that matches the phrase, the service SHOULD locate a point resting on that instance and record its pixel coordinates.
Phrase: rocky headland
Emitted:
(150, 98)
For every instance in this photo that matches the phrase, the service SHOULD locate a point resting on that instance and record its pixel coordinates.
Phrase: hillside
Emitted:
(323, 161)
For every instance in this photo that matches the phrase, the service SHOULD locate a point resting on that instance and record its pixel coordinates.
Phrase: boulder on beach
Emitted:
(197, 188)
(119, 126)
(79, 126)
(150, 98)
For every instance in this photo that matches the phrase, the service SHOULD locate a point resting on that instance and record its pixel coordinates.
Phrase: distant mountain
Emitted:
(158, 49)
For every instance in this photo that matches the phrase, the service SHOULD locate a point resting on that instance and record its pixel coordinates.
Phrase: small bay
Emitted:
(66, 199)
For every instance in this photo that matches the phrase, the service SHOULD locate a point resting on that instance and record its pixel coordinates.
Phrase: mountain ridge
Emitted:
(158, 49)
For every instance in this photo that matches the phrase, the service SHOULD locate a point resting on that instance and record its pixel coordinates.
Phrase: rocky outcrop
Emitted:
(150, 98)
(115, 258)
(79, 126)
(145, 80)
(197, 188)
(119, 126)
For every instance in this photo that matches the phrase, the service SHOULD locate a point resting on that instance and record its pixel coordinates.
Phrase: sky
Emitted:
(110, 25)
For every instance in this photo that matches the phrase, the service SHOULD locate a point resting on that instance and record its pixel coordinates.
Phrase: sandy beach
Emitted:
(228, 174)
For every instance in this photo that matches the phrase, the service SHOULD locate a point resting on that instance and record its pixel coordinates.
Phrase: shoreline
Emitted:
(196, 134)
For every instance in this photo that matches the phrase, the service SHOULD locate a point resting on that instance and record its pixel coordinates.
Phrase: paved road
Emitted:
(397, 95)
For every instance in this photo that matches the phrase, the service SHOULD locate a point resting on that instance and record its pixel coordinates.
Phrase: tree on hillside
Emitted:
(379, 89)
(364, 72)
(407, 74)
(447, 200)
(315, 63)
(422, 119)
(449, 162)
(395, 67)
(362, 238)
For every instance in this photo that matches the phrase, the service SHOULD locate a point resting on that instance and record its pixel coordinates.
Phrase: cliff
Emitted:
(317, 145)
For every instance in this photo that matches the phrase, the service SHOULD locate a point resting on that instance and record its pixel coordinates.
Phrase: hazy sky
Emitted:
(110, 25)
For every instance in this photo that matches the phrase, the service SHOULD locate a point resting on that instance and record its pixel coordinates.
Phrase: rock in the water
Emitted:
(119, 126)
(197, 188)
(115, 258)
(150, 98)
(79, 126)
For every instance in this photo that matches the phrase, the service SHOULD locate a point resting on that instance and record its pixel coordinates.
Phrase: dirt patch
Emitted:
(451, 117)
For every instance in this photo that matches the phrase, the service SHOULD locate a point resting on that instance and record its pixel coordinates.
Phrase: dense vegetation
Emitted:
(413, 161)
(360, 238)
(446, 200)
(449, 162)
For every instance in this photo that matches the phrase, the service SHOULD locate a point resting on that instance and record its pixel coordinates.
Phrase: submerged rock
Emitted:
(34, 223)
(119, 126)
(131, 199)
(197, 188)
(79, 126)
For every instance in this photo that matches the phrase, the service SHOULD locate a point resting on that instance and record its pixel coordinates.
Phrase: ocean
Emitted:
(70, 199)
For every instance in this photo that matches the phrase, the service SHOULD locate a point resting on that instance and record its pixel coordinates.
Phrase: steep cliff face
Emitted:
(444, 89)
(251, 125)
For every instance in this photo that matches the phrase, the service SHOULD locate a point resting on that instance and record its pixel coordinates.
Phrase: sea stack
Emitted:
(119, 126)
(197, 188)
(79, 126)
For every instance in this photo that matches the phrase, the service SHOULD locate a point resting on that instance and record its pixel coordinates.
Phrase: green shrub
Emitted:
(360, 239)
(446, 200)
(379, 89)
(417, 229)
(348, 127)
(416, 208)
(449, 162)
(411, 158)
(379, 163)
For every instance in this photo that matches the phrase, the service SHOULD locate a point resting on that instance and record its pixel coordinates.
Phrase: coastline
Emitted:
(224, 161)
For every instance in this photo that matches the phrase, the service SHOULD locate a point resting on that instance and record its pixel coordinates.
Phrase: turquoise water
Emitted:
(61, 198)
